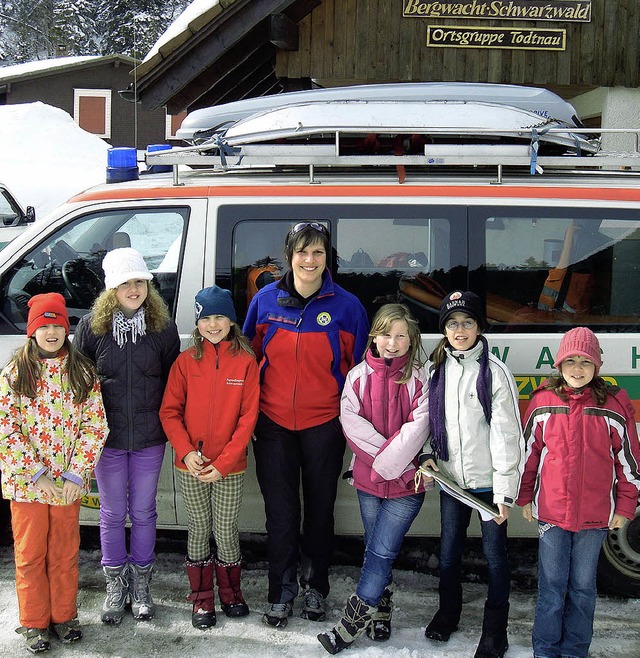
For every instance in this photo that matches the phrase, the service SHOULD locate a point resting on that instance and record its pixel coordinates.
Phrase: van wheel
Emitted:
(619, 565)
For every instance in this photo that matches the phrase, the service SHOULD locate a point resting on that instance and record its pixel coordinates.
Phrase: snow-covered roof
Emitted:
(196, 9)
(46, 66)
(196, 16)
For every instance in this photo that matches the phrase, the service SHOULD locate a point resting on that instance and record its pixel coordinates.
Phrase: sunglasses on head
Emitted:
(314, 225)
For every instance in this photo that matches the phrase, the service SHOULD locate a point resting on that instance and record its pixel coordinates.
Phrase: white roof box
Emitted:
(471, 120)
(201, 124)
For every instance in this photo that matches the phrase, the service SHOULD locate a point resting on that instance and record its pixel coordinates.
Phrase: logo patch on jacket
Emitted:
(323, 319)
(235, 382)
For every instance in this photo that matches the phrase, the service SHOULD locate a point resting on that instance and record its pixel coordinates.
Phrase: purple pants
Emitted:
(128, 484)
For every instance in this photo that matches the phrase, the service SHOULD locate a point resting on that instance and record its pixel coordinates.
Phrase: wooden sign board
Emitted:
(445, 36)
(507, 10)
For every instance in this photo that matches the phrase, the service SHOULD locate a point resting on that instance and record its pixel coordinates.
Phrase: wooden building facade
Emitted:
(243, 48)
(355, 41)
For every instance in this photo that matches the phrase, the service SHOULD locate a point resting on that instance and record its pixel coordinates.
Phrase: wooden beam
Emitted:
(221, 68)
(221, 87)
(283, 32)
(249, 87)
(301, 8)
(208, 45)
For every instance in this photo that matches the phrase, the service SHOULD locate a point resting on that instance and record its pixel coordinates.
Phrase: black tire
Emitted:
(619, 565)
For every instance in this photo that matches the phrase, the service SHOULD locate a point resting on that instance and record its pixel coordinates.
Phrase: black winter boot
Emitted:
(445, 621)
(231, 600)
(493, 641)
(380, 627)
(200, 575)
(355, 620)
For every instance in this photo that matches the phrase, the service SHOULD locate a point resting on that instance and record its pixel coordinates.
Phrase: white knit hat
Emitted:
(122, 265)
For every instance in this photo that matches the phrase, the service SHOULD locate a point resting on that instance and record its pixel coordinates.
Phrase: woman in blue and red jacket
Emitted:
(307, 333)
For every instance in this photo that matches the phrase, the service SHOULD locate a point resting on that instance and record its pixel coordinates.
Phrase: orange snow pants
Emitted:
(46, 545)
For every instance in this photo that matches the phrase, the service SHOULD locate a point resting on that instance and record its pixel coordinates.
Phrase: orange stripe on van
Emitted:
(364, 191)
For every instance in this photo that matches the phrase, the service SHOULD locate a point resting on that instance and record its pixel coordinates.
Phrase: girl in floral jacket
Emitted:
(52, 430)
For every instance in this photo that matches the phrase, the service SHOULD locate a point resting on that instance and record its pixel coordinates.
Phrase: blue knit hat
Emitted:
(214, 301)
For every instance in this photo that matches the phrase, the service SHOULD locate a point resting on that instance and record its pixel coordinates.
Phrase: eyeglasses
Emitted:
(452, 325)
(314, 225)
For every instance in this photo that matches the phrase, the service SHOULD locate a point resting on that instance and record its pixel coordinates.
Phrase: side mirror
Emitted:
(30, 214)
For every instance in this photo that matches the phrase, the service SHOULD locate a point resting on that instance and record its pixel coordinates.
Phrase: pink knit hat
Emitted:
(580, 342)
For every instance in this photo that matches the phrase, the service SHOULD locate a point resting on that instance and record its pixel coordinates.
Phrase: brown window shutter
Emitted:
(92, 115)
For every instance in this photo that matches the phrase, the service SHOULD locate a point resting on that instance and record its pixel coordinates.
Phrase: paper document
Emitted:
(487, 511)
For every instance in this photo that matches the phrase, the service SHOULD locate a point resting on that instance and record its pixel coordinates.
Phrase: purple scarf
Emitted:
(437, 423)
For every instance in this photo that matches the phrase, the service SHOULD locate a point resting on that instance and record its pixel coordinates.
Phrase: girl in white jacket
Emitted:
(475, 440)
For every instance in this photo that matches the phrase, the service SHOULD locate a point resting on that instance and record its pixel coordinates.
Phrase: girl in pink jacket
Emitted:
(384, 415)
(580, 479)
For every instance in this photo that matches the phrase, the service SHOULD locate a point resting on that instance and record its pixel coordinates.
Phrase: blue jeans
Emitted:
(128, 484)
(386, 521)
(567, 565)
(455, 517)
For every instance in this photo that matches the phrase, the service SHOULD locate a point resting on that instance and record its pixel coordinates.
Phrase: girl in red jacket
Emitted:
(580, 479)
(208, 412)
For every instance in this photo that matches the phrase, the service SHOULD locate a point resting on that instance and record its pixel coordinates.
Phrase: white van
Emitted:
(497, 230)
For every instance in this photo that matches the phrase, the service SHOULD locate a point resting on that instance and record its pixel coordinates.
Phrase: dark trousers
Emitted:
(455, 518)
(284, 458)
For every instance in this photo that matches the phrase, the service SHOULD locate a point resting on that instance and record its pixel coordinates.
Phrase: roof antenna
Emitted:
(135, 83)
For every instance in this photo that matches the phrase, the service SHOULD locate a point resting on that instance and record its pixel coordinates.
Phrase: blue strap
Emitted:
(576, 139)
(224, 150)
(535, 145)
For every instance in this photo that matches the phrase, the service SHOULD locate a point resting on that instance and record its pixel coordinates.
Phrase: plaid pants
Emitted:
(212, 507)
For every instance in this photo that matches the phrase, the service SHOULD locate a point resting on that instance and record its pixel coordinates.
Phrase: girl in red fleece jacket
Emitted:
(208, 412)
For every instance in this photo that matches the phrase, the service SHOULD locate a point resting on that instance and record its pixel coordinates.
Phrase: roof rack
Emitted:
(445, 147)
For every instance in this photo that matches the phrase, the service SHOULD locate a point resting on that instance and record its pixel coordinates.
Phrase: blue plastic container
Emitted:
(122, 164)
(159, 169)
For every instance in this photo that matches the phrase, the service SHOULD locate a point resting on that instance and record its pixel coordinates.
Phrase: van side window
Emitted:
(380, 252)
(561, 268)
(258, 258)
(391, 259)
(69, 261)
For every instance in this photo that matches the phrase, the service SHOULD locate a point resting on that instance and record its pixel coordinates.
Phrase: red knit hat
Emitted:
(49, 308)
(580, 342)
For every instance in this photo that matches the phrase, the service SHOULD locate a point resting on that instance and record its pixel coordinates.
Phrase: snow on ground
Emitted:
(171, 635)
(45, 157)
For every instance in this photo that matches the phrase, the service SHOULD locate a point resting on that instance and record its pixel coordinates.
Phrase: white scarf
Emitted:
(122, 325)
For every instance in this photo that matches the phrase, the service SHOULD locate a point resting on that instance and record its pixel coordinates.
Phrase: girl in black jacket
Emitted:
(133, 342)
